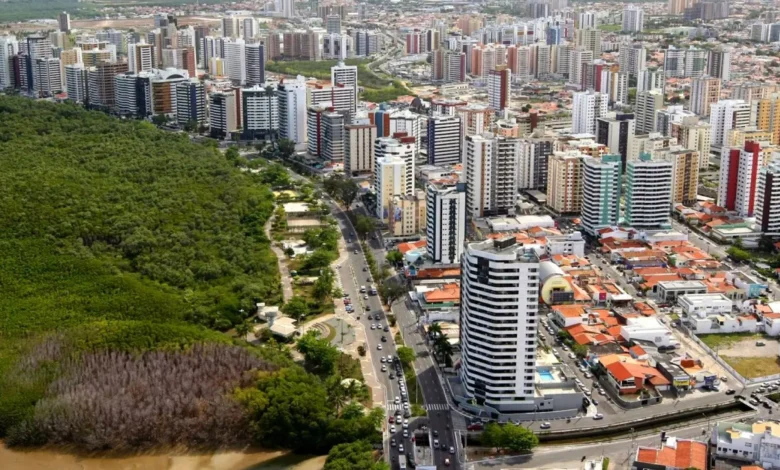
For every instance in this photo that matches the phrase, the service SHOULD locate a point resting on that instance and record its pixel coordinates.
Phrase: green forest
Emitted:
(125, 252)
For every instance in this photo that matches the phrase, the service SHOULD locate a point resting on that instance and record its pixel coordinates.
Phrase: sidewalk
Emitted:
(284, 273)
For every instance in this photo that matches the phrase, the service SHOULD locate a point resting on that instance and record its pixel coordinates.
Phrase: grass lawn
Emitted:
(331, 332)
(752, 367)
(715, 341)
(610, 28)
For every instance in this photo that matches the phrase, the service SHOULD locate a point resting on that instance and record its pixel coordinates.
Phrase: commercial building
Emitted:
(648, 193)
(359, 154)
(445, 222)
(704, 92)
(260, 110)
(444, 140)
(768, 200)
(726, 115)
(564, 182)
(500, 285)
(588, 106)
(491, 167)
(647, 103)
(601, 183)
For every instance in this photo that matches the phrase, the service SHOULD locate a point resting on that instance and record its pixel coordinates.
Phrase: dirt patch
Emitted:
(45, 460)
(747, 348)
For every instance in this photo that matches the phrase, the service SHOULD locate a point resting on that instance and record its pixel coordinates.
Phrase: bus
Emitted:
(402, 462)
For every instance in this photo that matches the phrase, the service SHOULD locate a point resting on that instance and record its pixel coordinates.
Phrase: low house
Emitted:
(674, 454)
(649, 329)
(629, 376)
(756, 442)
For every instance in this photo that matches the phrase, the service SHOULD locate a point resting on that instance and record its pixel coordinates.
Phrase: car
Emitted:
(583, 369)
(365, 269)
(401, 448)
(545, 425)
(384, 368)
(435, 443)
(452, 450)
(365, 297)
(602, 392)
(724, 379)
(397, 414)
(356, 252)
(767, 405)
(598, 416)
(392, 442)
(406, 433)
(587, 375)
(384, 339)
(391, 419)
(572, 356)
(595, 402)
(389, 358)
(397, 400)
(392, 376)
(406, 422)
(406, 406)
(730, 392)
(435, 433)
(382, 359)
(475, 427)
(447, 462)
(387, 328)
(407, 413)
(392, 429)
(373, 326)
(379, 347)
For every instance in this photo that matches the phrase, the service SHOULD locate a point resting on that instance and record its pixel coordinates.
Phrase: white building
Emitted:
(292, 109)
(706, 304)
(235, 61)
(757, 442)
(633, 19)
(569, 244)
(490, 168)
(255, 64)
(409, 122)
(681, 63)
(601, 183)
(587, 107)
(223, 114)
(647, 103)
(445, 222)
(500, 286)
(650, 80)
(346, 75)
(632, 58)
(724, 116)
(389, 181)
(9, 47)
(402, 147)
(76, 83)
(260, 110)
(359, 154)
(648, 193)
(341, 97)
(191, 103)
(648, 329)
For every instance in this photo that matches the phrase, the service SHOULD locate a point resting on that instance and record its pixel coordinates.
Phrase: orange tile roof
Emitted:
(448, 293)
(409, 246)
(438, 273)
(688, 454)
(569, 311)
(637, 349)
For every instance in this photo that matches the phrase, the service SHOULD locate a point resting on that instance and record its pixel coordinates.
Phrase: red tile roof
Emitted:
(688, 454)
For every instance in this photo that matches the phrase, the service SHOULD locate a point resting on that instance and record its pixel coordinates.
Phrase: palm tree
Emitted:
(243, 329)
(434, 330)
(443, 347)
(337, 393)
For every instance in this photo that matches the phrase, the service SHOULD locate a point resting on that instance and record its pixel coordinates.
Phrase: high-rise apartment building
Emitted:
(400, 145)
(614, 131)
(341, 98)
(695, 136)
(647, 104)
(615, 85)
(685, 63)
(601, 184)
(448, 66)
(359, 154)
(101, 87)
(752, 91)
(767, 207)
(588, 106)
(704, 92)
(579, 59)
(140, 57)
(76, 83)
(491, 169)
(719, 63)
(255, 64)
(235, 61)
(223, 114)
(444, 140)
(564, 182)
(586, 19)
(63, 21)
(9, 47)
(648, 193)
(739, 170)
(685, 175)
(767, 114)
(292, 109)
(260, 109)
(651, 80)
(231, 27)
(498, 88)
(346, 75)
(589, 39)
(500, 286)
(445, 222)
(389, 182)
(632, 58)
(191, 103)
(633, 19)
(333, 24)
(726, 115)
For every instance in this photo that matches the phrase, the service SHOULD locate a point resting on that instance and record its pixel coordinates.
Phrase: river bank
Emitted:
(11, 459)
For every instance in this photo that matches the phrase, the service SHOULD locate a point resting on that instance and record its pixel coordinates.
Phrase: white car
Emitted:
(406, 433)
(588, 375)
(382, 359)
(598, 416)
(572, 356)
(397, 400)
(379, 347)
(435, 443)
(392, 429)
(545, 426)
(400, 448)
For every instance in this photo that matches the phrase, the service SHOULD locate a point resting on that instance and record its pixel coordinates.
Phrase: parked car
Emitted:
(598, 416)
(545, 426)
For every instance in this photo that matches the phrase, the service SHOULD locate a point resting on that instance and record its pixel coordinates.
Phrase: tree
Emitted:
(364, 225)
(286, 148)
(321, 258)
(353, 456)
(348, 191)
(394, 257)
(297, 308)
(738, 243)
(159, 119)
(232, 154)
(434, 330)
(392, 291)
(323, 287)
(406, 355)
(243, 329)
(515, 438)
(191, 126)
(276, 176)
(766, 244)
(361, 350)
(580, 350)
(738, 254)
(319, 356)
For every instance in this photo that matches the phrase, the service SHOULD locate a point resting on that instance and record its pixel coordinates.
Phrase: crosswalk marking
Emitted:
(428, 407)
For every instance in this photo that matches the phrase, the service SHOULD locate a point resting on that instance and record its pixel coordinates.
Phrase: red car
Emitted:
(391, 420)
(347, 301)
(475, 427)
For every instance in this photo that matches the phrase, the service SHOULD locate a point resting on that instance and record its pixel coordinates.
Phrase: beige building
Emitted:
(648, 143)
(749, 92)
(564, 182)
(685, 175)
(768, 116)
(738, 137)
(408, 215)
(694, 135)
(359, 151)
(389, 182)
(704, 92)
